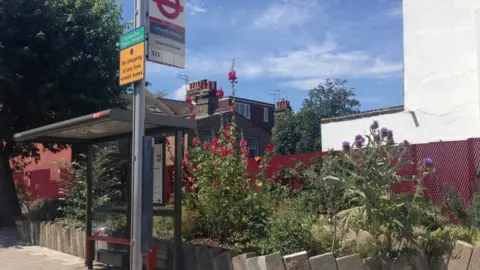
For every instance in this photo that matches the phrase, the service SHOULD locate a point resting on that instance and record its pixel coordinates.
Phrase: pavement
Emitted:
(17, 255)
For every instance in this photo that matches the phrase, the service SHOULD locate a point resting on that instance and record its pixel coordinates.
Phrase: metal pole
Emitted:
(138, 130)
(88, 215)
(177, 233)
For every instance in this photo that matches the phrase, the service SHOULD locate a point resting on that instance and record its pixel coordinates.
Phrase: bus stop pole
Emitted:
(138, 132)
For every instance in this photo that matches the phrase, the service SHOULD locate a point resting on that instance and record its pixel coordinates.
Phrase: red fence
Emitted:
(456, 164)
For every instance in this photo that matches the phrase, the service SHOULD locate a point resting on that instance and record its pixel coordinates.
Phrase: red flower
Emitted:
(192, 116)
(186, 155)
(213, 149)
(225, 152)
(215, 141)
(226, 135)
(195, 141)
(220, 93)
(227, 127)
(194, 166)
(232, 75)
(243, 143)
(269, 147)
(184, 162)
(188, 100)
(246, 153)
(205, 145)
(232, 108)
(214, 185)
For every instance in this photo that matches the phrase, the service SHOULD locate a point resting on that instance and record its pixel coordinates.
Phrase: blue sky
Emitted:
(290, 45)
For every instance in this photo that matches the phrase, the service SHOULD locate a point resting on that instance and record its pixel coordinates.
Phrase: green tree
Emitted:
(331, 98)
(308, 129)
(58, 60)
(285, 134)
(300, 132)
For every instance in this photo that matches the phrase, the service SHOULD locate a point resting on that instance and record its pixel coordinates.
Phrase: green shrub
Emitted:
(288, 235)
(439, 242)
(44, 210)
(367, 172)
(107, 187)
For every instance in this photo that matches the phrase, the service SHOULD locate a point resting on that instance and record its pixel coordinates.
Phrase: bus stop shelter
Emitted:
(110, 125)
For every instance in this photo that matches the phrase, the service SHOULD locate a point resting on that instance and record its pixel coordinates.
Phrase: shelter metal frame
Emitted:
(110, 125)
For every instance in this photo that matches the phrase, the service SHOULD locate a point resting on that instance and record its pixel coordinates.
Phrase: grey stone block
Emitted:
(240, 262)
(272, 261)
(475, 258)
(189, 258)
(439, 263)
(204, 257)
(460, 256)
(297, 261)
(67, 241)
(73, 242)
(352, 262)
(323, 262)
(47, 235)
(59, 238)
(253, 263)
(222, 261)
(371, 263)
(53, 236)
(80, 240)
(42, 234)
(420, 261)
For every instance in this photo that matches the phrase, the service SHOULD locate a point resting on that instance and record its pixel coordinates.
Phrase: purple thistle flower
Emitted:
(346, 146)
(384, 132)
(428, 162)
(359, 141)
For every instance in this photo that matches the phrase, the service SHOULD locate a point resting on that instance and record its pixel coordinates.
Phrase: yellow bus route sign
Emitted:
(132, 61)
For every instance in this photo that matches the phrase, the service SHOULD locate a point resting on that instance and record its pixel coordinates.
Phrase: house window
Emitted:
(253, 146)
(243, 109)
(265, 114)
(206, 137)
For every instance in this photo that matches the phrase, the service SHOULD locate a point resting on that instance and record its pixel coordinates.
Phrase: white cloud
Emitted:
(307, 67)
(302, 68)
(306, 84)
(194, 7)
(180, 93)
(287, 13)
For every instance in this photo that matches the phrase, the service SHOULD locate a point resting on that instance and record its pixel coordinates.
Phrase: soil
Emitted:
(212, 243)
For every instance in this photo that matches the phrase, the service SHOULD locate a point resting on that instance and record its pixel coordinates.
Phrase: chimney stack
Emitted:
(204, 93)
(281, 107)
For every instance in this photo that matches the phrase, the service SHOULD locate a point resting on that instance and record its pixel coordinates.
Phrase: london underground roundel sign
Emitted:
(175, 6)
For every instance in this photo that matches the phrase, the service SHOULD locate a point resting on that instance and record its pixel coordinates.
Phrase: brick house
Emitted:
(254, 119)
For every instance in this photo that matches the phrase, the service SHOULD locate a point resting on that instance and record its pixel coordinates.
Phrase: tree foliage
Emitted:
(332, 99)
(285, 134)
(296, 133)
(58, 60)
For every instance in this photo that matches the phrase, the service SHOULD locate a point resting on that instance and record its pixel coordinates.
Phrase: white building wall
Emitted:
(441, 76)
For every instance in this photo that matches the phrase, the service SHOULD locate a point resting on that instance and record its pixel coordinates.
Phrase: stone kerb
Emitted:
(464, 256)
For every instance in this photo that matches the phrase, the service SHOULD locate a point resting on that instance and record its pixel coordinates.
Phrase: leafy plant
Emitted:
(367, 172)
(107, 187)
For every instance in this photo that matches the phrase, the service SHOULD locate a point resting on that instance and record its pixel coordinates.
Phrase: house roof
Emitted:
(249, 100)
(176, 106)
(364, 114)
